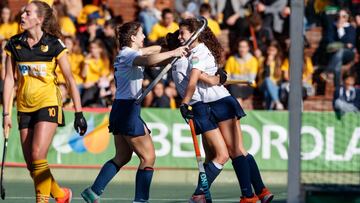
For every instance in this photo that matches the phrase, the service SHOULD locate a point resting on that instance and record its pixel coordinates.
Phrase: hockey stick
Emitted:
(167, 68)
(6, 136)
(203, 180)
(244, 82)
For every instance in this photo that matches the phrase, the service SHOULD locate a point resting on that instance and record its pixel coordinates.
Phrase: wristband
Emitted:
(5, 114)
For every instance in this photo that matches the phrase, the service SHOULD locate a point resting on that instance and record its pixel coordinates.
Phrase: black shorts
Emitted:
(52, 114)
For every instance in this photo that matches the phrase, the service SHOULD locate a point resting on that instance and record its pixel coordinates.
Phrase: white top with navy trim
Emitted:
(128, 77)
(202, 59)
(181, 75)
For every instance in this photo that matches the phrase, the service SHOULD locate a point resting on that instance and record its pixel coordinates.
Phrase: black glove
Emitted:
(222, 74)
(80, 124)
(186, 112)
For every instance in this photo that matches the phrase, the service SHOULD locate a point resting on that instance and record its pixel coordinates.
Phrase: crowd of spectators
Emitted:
(258, 36)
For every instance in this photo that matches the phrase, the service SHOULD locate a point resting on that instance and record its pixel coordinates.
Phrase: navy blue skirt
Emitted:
(203, 118)
(125, 118)
(226, 108)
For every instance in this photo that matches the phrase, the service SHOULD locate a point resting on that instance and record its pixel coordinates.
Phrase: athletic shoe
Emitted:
(197, 199)
(253, 199)
(67, 197)
(266, 196)
(90, 196)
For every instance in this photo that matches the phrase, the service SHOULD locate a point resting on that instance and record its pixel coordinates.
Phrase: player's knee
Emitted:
(222, 157)
(121, 160)
(37, 154)
(148, 159)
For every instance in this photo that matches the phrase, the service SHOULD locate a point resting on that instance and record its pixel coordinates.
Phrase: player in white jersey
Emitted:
(204, 57)
(130, 131)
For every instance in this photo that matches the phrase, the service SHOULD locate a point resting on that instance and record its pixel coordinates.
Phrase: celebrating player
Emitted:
(205, 54)
(34, 55)
(130, 131)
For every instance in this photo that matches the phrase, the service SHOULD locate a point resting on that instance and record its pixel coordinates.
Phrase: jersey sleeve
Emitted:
(59, 48)
(199, 60)
(9, 48)
(130, 57)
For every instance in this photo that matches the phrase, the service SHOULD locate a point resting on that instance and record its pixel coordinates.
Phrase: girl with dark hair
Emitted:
(226, 112)
(130, 131)
(270, 75)
(34, 55)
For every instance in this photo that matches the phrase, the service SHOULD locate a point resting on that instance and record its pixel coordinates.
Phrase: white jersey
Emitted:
(181, 75)
(202, 59)
(128, 77)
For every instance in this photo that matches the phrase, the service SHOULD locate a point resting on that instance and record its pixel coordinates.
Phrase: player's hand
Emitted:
(181, 51)
(186, 111)
(7, 124)
(80, 124)
(222, 74)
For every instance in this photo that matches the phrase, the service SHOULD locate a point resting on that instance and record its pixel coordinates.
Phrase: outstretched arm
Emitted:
(153, 59)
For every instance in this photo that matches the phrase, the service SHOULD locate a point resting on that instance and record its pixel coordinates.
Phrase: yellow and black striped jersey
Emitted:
(37, 84)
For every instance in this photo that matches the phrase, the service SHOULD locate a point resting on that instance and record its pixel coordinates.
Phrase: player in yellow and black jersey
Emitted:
(33, 56)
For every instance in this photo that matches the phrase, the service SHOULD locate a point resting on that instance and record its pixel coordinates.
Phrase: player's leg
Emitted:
(42, 138)
(238, 157)
(209, 154)
(109, 169)
(216, 145)
(144, 149)
(260, 190)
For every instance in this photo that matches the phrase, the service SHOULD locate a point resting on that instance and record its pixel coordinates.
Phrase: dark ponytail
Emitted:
(50, 24)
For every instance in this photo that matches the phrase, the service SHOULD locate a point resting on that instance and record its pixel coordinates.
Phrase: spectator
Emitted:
(76, 60)
(171, 92)
(92, 32)
(67, 26)
(91, 12)
(263, 35)
(346, 97)
(232, 14)
(8, 27)
(107, 36)
(242, 65)
(73, 8)
(160, 99)
(188, 8)
(342, 43)
(270, 76)
(96, 68)
(149, 15)
(166, 25)
(205, 11)
(307, 86)
(272, 12)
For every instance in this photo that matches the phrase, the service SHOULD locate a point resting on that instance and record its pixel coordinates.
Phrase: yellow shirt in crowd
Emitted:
(158, 31)
(76, 62)
(67, 26)
(96, 68)
(7, 30)
(237, 67)
(214, 26)
(308, 69)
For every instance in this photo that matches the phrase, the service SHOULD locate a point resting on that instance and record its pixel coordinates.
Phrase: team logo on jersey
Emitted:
(44, 48)
(195, 60)
(18, 47)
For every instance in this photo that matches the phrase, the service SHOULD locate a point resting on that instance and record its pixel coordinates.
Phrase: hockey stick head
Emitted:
(205, 186)
(2, 192)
